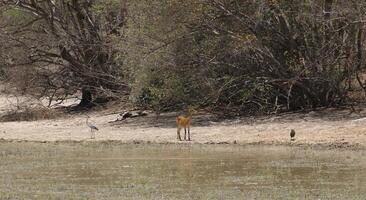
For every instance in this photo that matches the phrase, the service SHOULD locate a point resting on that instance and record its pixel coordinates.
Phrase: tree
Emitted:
(70, 45)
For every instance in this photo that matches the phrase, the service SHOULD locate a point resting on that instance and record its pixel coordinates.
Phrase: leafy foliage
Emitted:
(249, 57)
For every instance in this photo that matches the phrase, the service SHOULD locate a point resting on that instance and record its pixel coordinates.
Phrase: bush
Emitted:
(262, 58)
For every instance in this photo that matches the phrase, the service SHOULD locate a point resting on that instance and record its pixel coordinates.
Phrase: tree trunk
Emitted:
(86, 98)
(360, 58)
(328, 4)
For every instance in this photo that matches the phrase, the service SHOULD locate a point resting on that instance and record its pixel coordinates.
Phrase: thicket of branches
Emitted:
(65, 46)
(271, 55)
(243, 56)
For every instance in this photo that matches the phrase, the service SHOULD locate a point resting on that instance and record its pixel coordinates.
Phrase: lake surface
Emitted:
(118, 171)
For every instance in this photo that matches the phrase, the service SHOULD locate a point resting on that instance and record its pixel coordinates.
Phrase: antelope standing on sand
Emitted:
(185, 122)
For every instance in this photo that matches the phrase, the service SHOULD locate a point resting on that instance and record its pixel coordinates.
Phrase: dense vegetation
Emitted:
(257, 56)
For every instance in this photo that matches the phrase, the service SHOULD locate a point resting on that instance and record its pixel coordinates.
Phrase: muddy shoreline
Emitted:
(315, 146)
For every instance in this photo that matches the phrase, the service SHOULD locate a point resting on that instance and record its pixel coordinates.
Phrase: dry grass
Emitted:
(29, 113)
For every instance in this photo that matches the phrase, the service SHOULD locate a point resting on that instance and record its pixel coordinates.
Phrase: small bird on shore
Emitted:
(92, 128)
(292, 134)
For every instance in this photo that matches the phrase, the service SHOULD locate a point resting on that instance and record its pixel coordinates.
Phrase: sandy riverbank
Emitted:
(331, 127)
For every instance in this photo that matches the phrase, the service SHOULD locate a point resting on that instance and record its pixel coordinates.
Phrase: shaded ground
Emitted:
(329, 127)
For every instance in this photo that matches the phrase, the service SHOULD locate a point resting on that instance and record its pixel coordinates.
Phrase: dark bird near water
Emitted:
(92, 128)
(292, 134)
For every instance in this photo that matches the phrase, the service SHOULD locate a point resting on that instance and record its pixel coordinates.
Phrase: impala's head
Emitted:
(192, 110)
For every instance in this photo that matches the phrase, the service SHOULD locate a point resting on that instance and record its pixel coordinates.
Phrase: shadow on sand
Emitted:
(167, 120)
(203, 119)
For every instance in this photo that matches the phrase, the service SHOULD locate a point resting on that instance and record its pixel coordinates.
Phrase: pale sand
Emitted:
(329, 127)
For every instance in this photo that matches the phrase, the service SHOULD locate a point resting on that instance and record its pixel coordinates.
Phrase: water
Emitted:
(115, 171)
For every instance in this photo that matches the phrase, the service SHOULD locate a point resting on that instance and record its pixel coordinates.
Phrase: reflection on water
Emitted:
(102, 171)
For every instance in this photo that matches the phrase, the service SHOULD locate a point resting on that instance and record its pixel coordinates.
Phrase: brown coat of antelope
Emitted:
(184, 122)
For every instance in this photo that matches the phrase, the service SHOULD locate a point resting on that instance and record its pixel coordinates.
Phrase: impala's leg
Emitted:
(189, 134)
(178, 134)
(185, 133)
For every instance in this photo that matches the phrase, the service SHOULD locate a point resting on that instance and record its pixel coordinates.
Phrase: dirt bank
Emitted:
(330, 127)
